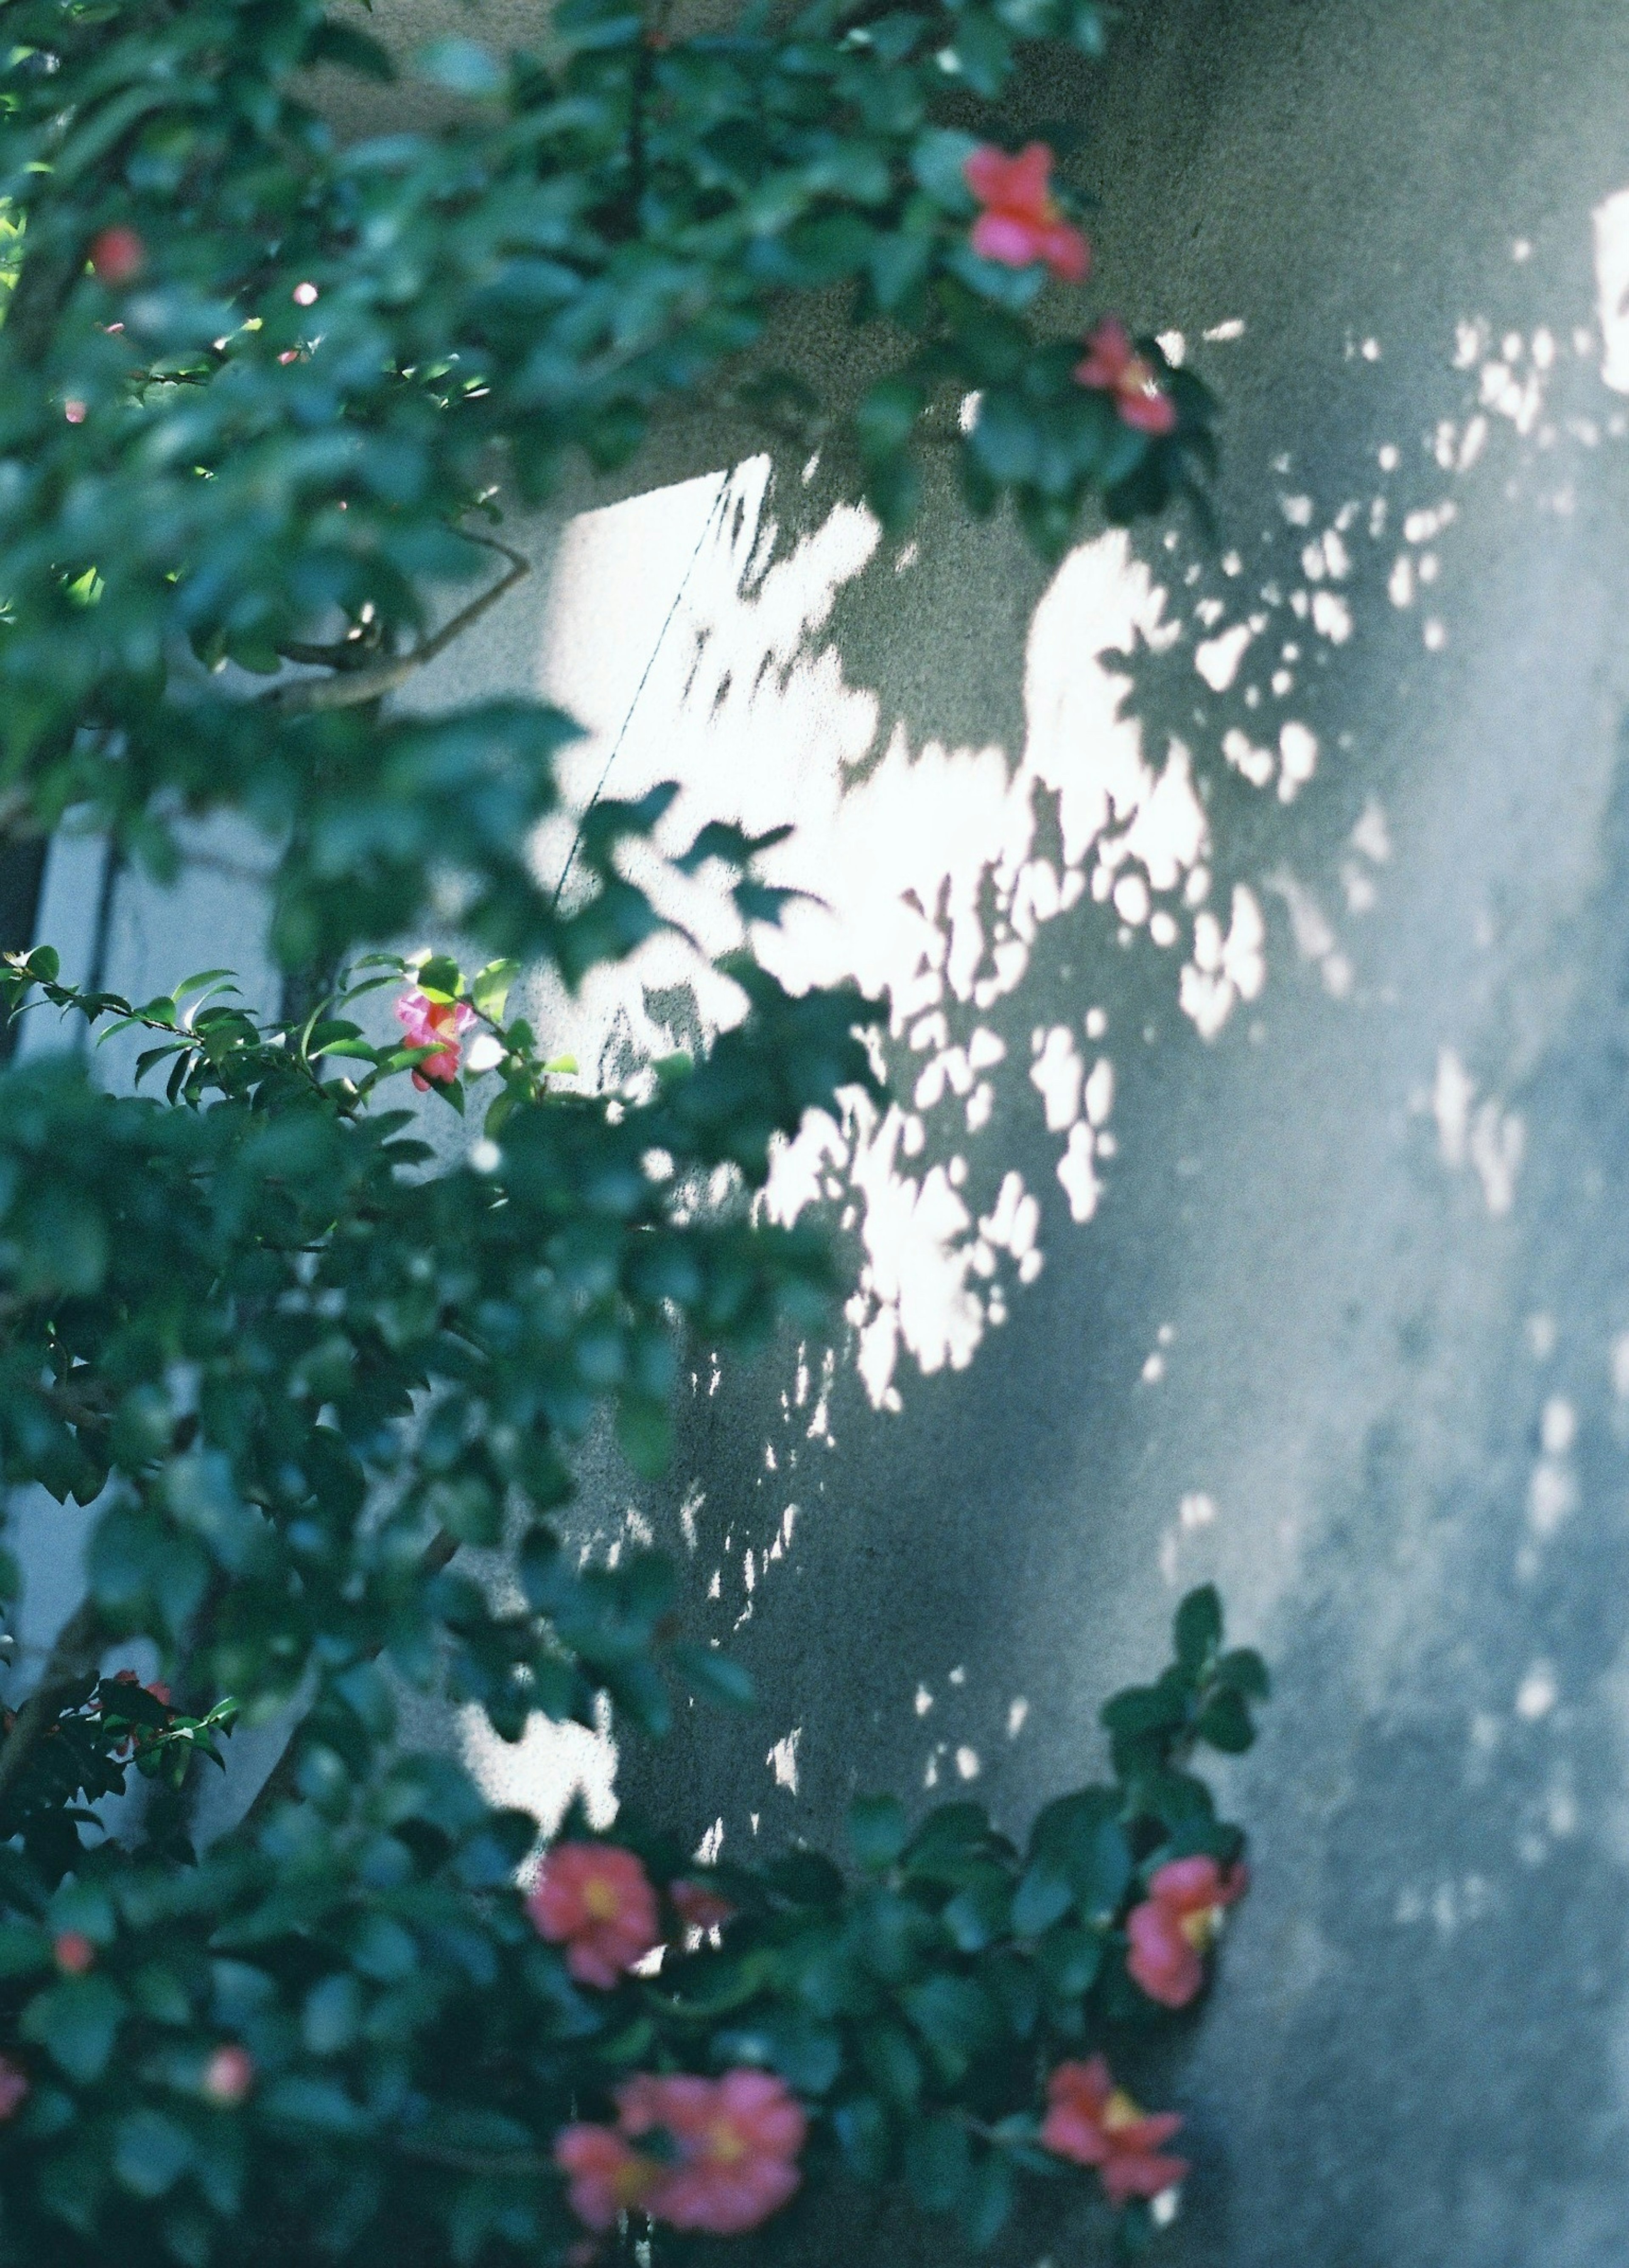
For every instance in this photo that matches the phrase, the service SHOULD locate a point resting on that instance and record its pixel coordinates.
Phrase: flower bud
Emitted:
(118, 255)
(228, 2075)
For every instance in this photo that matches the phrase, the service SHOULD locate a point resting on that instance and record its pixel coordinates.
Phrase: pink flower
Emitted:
(1112, 366)
(14, 2087)
(1094, 2123)
(228, 2076)
(699, 1907)
(605, 2176)
(439, 1024)
(596, 1900)
(73, 1952)
(1171, 1931)
(1021, 224)
(118, 255)
(737, 2139)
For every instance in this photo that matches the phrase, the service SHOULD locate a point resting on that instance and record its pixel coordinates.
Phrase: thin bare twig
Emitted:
(310, 696)
(279, 1783)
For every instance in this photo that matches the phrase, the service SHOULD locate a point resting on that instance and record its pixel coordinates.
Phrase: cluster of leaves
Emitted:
(295, 1372)
(921, 2008)
(259, 432)
(97, 1728)
(262, 396)
(415, 2044)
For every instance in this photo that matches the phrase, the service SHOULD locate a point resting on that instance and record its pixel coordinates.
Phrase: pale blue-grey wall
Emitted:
(1338, 1313)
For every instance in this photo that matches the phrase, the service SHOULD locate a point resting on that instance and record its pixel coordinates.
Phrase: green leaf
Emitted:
(439, 977)
(490, 988)
(1198, 1629)
(939, 160)
(151, 2152)
(1070, 1959)
(644, 1435)
(712, 1676)
(887, 416)
(1043, 1896)
(954, 2016)
(938, 2163)
(24, 1949)
(893, 2064)
(1225, 1723)
(75, 2022)
(984, 50)
(1144, 1709)
(861, 2126)
(877, 1830)
(979, 1913)
(807, 2054)
(1246, 1672)
(461, 66)
(988, 2202)
(1005, 440)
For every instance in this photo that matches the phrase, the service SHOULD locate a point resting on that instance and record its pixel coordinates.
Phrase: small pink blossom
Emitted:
(596, 1900)
(74, 412)
(737, 2139)
(1021, 223)
(1113, 366)
(440, 1024)
(1171, 1931)
(73, 1952)
(699, 1906)
(14, 2087)
(118, 255)
(228, 2076)
(1094, 2123)
(605, 2176)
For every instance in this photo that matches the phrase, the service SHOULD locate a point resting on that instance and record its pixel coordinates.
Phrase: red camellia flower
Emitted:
(1114, 367)
(1171, 1931)
(118, 255)
(228, 2075)
(596, 1900)
(698, 1907)
(605, 2174)
(1094, 2123)
(729, 2149)
(73, 1952)
(1021, 224)
(737, 2139)
(14, 2087)
(440, 1024)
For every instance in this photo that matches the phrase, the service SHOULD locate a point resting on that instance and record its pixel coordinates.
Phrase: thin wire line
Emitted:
(718, 503)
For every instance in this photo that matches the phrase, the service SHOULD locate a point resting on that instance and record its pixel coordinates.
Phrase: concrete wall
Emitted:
(1321, 1287)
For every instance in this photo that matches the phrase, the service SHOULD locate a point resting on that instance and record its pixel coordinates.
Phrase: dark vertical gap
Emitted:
(101, 937)
(22, 875)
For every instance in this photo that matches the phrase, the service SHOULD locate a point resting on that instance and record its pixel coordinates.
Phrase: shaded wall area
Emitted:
(1342, 1324)
(1250, 1204)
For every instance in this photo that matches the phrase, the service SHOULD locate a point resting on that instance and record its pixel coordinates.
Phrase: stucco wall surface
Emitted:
(1255, 923)
(1317, 842)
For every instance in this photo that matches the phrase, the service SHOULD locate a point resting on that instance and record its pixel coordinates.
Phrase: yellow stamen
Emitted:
(1119, 2111)
(725, 2145)
(631, 2180)
(601, 1902)
(1199, 1928)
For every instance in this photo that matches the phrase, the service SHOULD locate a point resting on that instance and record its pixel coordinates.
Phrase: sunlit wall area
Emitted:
(1247, 913)
(1248, 1203)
